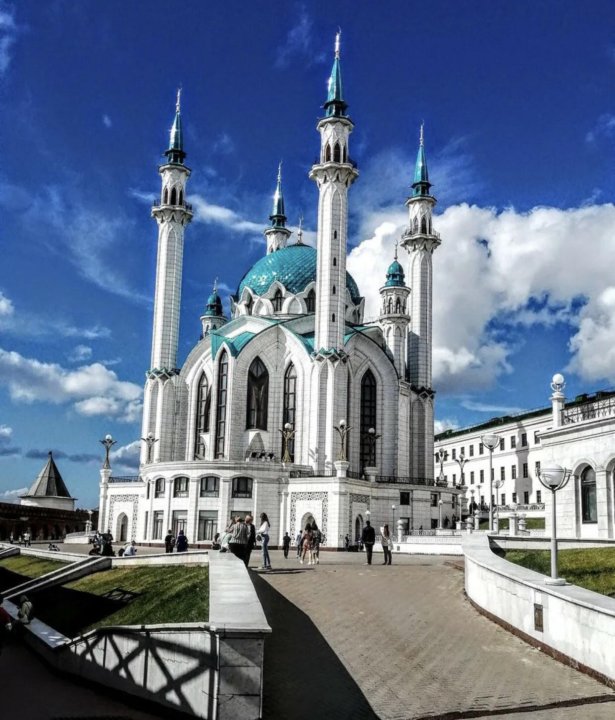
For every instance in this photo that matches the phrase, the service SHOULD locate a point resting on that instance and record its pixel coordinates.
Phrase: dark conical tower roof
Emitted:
(49, 482)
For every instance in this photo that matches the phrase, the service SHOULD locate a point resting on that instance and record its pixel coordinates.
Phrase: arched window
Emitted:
(166, 196)
(203, 402)
(174, 197)
(390, 305)
(289, 413)
(181, 197)
(415, 226)
(345, 155)
(423, 225)
(334, 262)
(336, 153)
(328, 153)
(221, 407)
(277, 301)
(398, 305)
(333, 292)
(333, 317)
(249, 303)
(310, 301)
(368, 419)
(589, 513)
(258, 395)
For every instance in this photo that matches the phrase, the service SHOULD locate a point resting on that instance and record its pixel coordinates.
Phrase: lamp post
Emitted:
(287, 435)
(393, 509)
(440, 503)
(497, 484)
(107, 443)
(490, 442)
(342, 430)
(461, 461)
(150, 441)
(554, 478)
(441, 456)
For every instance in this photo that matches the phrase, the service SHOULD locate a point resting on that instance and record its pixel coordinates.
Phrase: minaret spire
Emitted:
(277, 235)
(335, 105)
(421, 184)
(175, 154)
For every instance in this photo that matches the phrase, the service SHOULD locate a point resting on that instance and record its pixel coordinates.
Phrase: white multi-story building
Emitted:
(578, 435)
(295, 406)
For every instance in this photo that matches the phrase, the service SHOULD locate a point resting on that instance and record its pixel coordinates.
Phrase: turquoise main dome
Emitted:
(294, 266)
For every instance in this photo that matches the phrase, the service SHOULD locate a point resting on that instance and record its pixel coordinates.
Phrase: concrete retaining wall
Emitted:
(573, 624)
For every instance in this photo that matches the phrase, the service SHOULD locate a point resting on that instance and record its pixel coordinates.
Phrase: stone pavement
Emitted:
(352, 641)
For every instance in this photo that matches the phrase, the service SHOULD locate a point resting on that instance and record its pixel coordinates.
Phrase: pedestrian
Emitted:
(24, 614)
(239, 538)
(316, 540)
(387, 544)
(251, 539)
(368, 538)
(347, 543)
(107, 544)
(169, 542)
(6, 623)
(263, 534)
(11, 538)
(286, 545)
(298, 541)
(306, 544)
(130, 549)
(26, 539)
(215, 543)
(182, 542)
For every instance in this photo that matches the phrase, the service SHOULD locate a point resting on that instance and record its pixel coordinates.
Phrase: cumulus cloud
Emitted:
(6, 436)
(80, 353)
(38, 454)
(604, 128)
(127, 456)
(506, 268)
(107, 121)
(90, 389)
(6, 306)
(224, 144)
(299, 43)
(8, 35)
(12, 496)
(445, 424)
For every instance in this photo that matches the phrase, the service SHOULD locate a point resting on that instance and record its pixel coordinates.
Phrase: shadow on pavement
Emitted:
(303, 677)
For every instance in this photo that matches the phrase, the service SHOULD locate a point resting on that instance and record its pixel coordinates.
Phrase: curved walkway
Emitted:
(352, 641)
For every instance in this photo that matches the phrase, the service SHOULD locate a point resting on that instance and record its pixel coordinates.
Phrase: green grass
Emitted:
(29, 566)
(530, 524)
(592, 568)
(166, 594)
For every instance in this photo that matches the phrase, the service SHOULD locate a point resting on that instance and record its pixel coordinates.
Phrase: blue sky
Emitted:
(519, 112)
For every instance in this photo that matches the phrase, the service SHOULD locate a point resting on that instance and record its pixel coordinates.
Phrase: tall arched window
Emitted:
(277, 301)
(589, 512)
(289, 414)
(174, 197)
(258, 395)
(328, 153)
(337, 155)
(423, 226)
(310, 302)
(221, 407)
(181, 197)
(166, 196)
(368, 419)
(249, 303)
(203, 401)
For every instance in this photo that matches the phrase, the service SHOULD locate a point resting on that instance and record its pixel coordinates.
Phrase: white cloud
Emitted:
(107, 121)
(224, 144)
(8, 35)
(604, 128)
(445, 424)
(6, 306)
(127, 456)
(487, 408)
(91, 389)
(207, 212)
(80, 353)
(6, 433)
(299, 43)
(12, 496)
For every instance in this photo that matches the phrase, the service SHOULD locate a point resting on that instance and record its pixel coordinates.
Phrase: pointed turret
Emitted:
(335, 105)
(49, 490)
(421, 184)
(277, 235)
(175, 154)
(213, 317)
(395, 315)
(395, 274)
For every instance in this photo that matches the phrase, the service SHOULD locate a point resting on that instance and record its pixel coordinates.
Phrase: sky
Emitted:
(518, 103)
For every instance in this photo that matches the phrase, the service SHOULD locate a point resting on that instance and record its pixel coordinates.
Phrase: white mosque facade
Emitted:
(294, 406)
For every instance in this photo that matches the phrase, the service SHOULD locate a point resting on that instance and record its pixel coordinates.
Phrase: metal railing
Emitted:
(590, 410)
(125, 478)
(405, 480)
(521, 508)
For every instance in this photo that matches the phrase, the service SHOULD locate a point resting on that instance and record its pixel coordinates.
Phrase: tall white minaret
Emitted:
(334, 174)
(172, 215)
(420, 240)
(395, 315)
(277, 235)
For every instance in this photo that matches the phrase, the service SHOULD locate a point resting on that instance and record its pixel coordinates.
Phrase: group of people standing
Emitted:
(240, 538)
(368, 539)
(179, 543)
(308, 544)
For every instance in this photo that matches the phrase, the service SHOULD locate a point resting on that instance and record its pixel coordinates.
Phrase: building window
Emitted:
(203, 401)
(180, 487)
(503, 499)
(538, 496)
(536, 437)
(208, 524)
(482, 476)
(471, 450)
(290, 407)
(278, 301)
(310, 302)
(502, 444)
(526, 497)
(502, 473)
(209, 486)
(158, 524)
(434, 499)
(481, 449)
(513, 472)
(523, 439)
(537, 466)
(589, 512)
(454, 478)
(221, 408)
(258, 395)
(146, 527)
(454, 453)
(179, 521)
(149, 488)
(242, 487)
(404, 498)
(525, 470)
(472, 477)
(513, 442)
(368, 419)
(159, 488)
(514, 497)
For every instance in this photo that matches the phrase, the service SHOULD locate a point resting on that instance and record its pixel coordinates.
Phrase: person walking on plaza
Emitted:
(182, 542)
(107, 544)
(298, 543)
(316, 540)
(169, 542)
(239, 539)
(306, 543)
(286, 545)
(263, 533)
(251, 538)
(347, 543)
(368, 538)
(387, 544)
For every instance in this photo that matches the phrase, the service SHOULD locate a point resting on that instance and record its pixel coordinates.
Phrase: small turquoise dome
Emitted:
(395, 275)
(214, 305)
(294, 266)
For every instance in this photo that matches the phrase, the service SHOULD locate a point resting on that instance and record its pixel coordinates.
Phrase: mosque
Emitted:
(293, 406)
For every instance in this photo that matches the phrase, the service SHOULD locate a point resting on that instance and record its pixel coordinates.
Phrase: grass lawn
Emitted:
(163, 595)
(29, 566)
(592, 568)
(530, 524)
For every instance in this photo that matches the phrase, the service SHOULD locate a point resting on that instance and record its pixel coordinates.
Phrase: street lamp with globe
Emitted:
(490, 441)
(107, 443)
(554, 478)
(497, 485)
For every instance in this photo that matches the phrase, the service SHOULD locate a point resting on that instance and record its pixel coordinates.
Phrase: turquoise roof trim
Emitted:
(395, 275)
(235, 345)
(294, 267)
